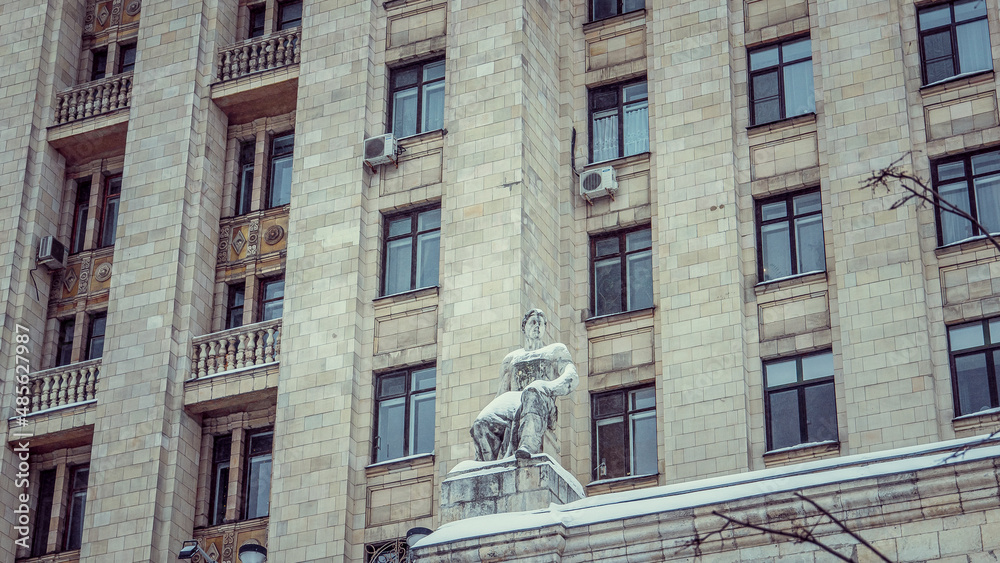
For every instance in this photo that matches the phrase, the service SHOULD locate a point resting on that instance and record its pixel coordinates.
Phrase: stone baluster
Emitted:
(127, 81)
(47, 392)
(200, 355)
(269, 348)
(230, 354)
(254, 57)
(115, 87)
(270, 53)
(211, 358)
(244, 60)
(280, 55)
(241, 351)
(298, 40)
(221, 73)
(90, 385)
(261, 343)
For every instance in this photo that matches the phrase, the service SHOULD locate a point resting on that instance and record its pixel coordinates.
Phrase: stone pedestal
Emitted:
(479, 488)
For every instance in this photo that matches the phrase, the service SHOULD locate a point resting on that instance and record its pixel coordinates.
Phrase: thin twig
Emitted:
(843, 526)
(798, 537)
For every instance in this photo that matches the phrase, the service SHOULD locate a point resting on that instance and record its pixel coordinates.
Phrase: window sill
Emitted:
(957, 81)
(802, 453)
(620, 162)
(421, 137)
(412, 294)
(762, 128)
(788, 281)
(615, 19)
(976, 423)
(399, 464)
(71, 556)
(619, 484)
(965, 245)
(622, 317)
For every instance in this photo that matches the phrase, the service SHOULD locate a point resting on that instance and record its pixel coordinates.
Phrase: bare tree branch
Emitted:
(799, 535)
(843, 526)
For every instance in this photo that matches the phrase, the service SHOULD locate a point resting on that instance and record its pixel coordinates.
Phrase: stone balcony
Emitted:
(90, 120)
(234, 367)
(60, 412)
(64, 386)
(260, 54)
(258, 77)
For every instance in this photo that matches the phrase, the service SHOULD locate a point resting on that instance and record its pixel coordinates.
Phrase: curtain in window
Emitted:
(404, 113)
(973, 383)
(800, 96)
(643, 446)
(433, 110)
(639, 272)
(809, 249)
(953, 227)
(397, 278)
(636, 129)
(974, 47)
(988, 202)
(776, 251)
(605, 130)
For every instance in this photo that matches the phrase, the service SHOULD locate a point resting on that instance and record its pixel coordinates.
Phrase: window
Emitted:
(81, 211)
(790, 236)
(600, 9)
(98, 63)
(954, 40)
(43, 512)
(221, 450)
(112, 195)
(289, 15)
(622, 271)
(244, 187)
(256, 22)
(417, 99)
(64, 345)
(975, 357)
(272, 295)
(258, 475)
(95, 336)
(126, 58)
(972, 184)
(280, 188)
(624, 433)
(412, 246)
(781, 81)
(619, 121)
(404, 413)
(77, 506)
(799, 400)
(395, 551)
(234, 306)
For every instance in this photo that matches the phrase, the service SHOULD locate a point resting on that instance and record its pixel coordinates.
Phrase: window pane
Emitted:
(817, 366)
(643, 398)
(795, 50)
(988, 202)
(994, 332)
(637, 240)
(423, 379)
(433, 71)
(610, 448)
(639, 272)
(800, 96)
(775, 210)
(407, 77)
(763, 58)
(110, 224)
(809, 244)
(953, 227)
(806, 203)
(985, 163)
(632, 5)
(433, 110)
(635, 92)
(821, 413)
(609, 404)
(766, 111)
(74, 529)
(404, 113)
(968, 9)
(643, 444)
(765, 85)
(776, 251)
(391, 420)
(80, 228)
(290, 15)
(934, 17)
(605, 131)
(43, 512)
(780, 373)
(950, 170)
(428, 258)
(784, 419)
(422, 424)
(967, 336)
(607, 286)
(259, 486)
(429, 220)
(220, 493)
(397, 265)
(392, 386)
(281, 181)
(636, 129)
(973, 385)
(126, 62)
(399, 227)
(974, 46)
(606, 247)
(604, 8)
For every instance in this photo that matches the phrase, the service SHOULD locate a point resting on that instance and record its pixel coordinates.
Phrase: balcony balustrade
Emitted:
(64, 385)
(236, 348)
(94, 98)
(259, 54)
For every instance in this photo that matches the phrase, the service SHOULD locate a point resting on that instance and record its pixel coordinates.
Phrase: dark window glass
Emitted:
(954, 40)
(77, 506)
(95, 336)
(790, 236)
(799, 400)
(781, 81)
(289, 15)
(126, 58)
(112, 197)
(619, 121)
(404, 413)
(970, 183)
(417, 94)
(412, 246)
(244, 188)
(234, 307)
(64, 346)
(622, 271)
(280, 188)
(600, 9)
(975, 355)
(81, 212)
(272, 295)
(98, 63)
(258, 473)
(624, 433)
(221, 450)
(43, 512)
(256, 22)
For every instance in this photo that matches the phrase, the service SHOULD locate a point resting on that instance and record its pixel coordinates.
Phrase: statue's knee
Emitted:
(532, 399)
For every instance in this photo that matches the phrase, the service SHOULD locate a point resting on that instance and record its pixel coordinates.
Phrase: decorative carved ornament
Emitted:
(69, 279)
(103, 272)
(224, 245)
(239, 241)
(254, 235)
(133, 7)
(274, 234)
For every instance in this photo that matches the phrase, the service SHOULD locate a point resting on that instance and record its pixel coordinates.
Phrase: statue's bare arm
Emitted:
(568, 378)
(506, 374)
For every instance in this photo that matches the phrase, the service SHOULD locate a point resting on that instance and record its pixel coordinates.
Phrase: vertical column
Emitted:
(144, 459)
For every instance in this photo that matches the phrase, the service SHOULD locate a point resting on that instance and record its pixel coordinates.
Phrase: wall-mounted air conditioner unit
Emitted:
(598, 182)
(51, 253)
(381, 150)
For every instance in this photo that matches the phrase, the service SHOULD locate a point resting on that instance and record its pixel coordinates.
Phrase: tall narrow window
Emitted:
(234, 307)
(43, 512)
(95, 336)
(601, 9)
(619, 121)
(404, 413)
(258, 474)
(799, 400)
(289, 15)
(126, 58)
(975, 356)
(781, 81)
(112, 196)
(272, 297)
(221, 449)
(244, 188)
(622, 270)
(970, 183)
(280, 188)
(790, 236)
(954, 39)
(417, 99)
(256, 22)
(412, 251)
(77, 506)
(64, 344)
(624, 433)
(81, 211)
(98, 63)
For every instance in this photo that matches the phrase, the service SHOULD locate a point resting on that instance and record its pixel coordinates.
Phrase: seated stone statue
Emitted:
(530, 380)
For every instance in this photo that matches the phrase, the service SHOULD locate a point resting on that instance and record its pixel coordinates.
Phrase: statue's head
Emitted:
(533, 324)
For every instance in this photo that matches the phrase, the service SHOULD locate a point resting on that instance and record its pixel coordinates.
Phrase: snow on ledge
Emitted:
(630, 504)
(470, 468)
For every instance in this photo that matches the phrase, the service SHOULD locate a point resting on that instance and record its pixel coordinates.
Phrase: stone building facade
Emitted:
(255, 336)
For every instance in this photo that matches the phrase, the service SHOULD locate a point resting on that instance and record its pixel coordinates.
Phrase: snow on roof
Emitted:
(630, 504)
